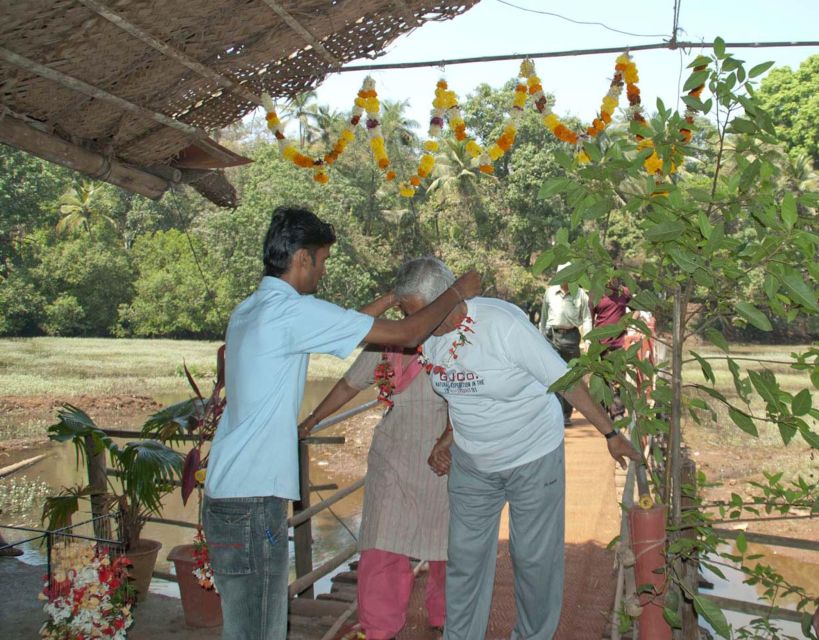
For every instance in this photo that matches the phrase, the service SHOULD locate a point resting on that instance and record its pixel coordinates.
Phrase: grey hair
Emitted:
(425, 277)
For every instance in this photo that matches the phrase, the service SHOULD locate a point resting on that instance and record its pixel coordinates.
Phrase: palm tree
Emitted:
(302, 107)
(79, 208)
(329, 123)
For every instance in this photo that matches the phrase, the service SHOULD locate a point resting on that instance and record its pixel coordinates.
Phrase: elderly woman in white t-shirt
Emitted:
(494, 368)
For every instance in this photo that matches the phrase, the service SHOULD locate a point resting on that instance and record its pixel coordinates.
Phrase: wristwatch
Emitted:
(611, 434)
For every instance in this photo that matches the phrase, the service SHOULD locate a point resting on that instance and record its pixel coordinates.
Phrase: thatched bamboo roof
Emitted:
(126, 90)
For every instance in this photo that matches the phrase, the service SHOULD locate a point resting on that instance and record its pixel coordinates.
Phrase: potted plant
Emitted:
(197, 417)
(144, 470)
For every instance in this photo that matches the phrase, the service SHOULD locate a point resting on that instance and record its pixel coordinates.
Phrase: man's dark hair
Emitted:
(292, 229)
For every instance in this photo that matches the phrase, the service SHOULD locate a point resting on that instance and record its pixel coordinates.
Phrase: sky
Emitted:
(493, 27)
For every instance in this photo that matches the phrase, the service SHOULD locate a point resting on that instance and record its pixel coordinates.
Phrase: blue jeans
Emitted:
(247, 542)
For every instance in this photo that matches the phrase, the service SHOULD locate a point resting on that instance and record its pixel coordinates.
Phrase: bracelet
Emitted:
(611, 434)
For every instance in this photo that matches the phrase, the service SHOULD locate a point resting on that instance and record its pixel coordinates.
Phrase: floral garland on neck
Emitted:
(383, 375)
(462, 328)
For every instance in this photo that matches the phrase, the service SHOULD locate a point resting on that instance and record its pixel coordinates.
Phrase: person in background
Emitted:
(252, 471)
(506, 446)
(610, 310)
(565, 319)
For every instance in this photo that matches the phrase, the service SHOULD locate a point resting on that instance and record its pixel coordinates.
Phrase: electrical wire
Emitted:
(598, 24)
(336, 516)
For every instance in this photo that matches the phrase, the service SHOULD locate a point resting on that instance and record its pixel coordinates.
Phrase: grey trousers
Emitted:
(536, 494)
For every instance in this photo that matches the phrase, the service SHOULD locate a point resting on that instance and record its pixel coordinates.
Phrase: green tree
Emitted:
(172, 296)
(704, 244)
(792, 99)
(80, 208)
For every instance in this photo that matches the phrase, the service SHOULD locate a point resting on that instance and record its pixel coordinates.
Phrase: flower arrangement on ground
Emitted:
(88, 596)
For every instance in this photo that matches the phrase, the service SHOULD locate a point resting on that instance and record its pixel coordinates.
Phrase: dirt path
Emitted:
(592, 520)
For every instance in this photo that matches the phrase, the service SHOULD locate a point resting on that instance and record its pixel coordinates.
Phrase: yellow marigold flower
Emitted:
(645, 144)
(199, 476)
(430, 145)
(532, 80)
(290, 152)
(519, 100)
(495, 151)
(442, 84)
(456, 122)
(630, 74)
(582, 157)
(377, 143)
(359, 101)
(406, 192)
(623, 58)
(427, 161)
(371, 105)
(609, 104)
(653, 163)
(527, 68)
(348, 135)
(551, 121)
(473, 148)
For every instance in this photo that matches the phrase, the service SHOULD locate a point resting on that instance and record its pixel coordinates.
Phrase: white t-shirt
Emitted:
(501, 411)
(269, 338)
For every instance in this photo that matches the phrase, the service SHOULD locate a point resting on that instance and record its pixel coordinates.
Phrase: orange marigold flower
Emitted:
(441, 84)
(303, 161)
(383, 163)
(415, 181)
(520, 88)
(487, 168)
(606, 117)
(535, 88)
(321, 177)
(422, 173)
(686, 135)
(696, 92)
(390, 176)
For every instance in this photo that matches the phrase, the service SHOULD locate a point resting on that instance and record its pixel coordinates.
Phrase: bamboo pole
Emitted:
(75, 84)
(306, 514)
(23, 464)
(19, 135)
(304, 584)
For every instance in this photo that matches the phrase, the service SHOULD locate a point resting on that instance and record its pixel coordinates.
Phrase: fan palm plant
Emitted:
(145, 469)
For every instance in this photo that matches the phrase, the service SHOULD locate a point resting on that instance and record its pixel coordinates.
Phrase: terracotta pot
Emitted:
(143, 559)
(202, 607)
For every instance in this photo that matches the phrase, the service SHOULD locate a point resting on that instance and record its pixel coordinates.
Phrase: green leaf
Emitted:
(664, 231)
(544, 261)
(563, 159)
(743, 421)
(593, 151)
(552, 187)
(789, 214)
(811, 438)
(716, 338)
(713, 615)
(672, 618)
(695, 80)
(801, 403)
(707, 370)
(693, 103)
(754, 316)
(719, 47)
(742, 543)
(786, 432)
(683, 259)
(760, 69)
(740, 125)
(570, 273)
(799, 291)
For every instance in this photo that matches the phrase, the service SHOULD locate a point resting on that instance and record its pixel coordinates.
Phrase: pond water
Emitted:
(59, 469)
(793, 568)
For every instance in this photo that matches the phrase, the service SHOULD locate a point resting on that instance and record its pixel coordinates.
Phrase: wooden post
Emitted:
(98, 482)
(690, 623)
(303, 533)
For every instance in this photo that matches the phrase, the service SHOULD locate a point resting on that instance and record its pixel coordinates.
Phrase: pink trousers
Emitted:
(384, 588)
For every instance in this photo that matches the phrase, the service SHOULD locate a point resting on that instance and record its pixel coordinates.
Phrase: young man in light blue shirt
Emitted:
(253, 463)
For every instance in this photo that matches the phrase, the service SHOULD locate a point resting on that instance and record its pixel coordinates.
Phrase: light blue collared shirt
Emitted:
(270, 337)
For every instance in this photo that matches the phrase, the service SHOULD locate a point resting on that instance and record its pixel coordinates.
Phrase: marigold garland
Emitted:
(366, 100)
